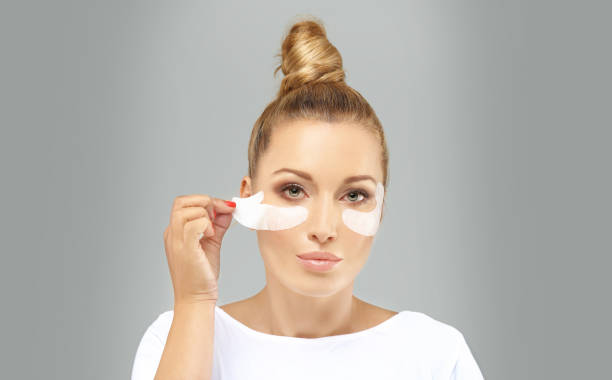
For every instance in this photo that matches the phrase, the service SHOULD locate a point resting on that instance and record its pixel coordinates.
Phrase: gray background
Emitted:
(498, 213)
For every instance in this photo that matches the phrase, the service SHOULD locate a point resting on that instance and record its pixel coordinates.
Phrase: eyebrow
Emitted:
(308, 177)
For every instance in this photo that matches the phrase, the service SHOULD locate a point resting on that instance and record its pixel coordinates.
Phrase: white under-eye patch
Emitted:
(251, 213)
(365, 223)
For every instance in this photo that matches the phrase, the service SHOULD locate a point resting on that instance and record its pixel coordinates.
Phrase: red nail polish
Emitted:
(230, 203)
(214, 214)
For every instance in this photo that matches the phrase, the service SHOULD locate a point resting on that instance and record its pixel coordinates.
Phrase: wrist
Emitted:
(194, 302)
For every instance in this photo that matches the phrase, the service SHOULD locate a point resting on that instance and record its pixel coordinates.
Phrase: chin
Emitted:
(311, 284)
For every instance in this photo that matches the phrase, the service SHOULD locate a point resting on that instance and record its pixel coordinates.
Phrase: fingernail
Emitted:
(230, 203)
(214, 214)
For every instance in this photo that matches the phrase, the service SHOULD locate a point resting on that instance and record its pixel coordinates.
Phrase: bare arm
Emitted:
(192, 242)
(188, 353)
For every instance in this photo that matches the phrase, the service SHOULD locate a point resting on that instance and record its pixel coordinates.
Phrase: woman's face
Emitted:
(328, 154)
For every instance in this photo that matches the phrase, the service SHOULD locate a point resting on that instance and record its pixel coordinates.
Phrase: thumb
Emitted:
(221, 224)
(221, 218)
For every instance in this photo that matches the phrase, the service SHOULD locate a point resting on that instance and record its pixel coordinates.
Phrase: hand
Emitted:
(192, 242)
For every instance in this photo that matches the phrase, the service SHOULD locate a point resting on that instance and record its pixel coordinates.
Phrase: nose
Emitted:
(323, 220)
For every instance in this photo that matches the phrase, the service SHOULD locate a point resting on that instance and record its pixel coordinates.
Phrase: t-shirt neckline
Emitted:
(387, 323)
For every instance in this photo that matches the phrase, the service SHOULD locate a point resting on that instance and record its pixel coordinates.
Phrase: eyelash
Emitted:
(365, 194)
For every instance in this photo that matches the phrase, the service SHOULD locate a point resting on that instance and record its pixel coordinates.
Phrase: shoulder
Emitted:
(433, 336)
(434, 328)
(416, 331)
(413, 326)
(151, 346)
(160, 327)
(444, 345)
(418, 335)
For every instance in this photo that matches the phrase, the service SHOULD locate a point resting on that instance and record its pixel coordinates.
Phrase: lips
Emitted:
(318, 255)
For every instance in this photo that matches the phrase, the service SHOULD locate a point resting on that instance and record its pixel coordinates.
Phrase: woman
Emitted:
(318, 157)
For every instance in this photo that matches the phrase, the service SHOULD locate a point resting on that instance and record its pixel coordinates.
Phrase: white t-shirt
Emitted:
(409, 345)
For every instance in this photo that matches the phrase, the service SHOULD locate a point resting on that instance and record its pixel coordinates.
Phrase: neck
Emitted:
(288, 313)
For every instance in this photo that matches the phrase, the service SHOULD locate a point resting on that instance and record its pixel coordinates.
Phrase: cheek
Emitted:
(359, 246)
(353, 243)
(277, 243)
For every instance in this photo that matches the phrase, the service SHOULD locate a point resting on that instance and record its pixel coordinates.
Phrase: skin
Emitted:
(297, 302)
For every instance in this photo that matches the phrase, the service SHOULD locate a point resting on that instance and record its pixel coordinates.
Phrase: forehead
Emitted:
(332, 150)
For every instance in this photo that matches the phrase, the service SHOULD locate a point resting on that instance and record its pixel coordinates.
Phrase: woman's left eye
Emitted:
(359, 192)
(352, 194)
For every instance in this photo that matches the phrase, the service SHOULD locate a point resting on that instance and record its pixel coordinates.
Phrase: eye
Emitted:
(356, 193)
(292, 187)
(293, 190)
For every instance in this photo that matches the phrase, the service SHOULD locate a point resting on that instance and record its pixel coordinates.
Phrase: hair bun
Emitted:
(307, 56)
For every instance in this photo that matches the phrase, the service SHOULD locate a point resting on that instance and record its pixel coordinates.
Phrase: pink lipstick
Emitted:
(318, 261)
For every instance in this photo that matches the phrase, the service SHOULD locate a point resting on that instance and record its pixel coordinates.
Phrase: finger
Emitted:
(218, 207)
(194, 229)
(210, 210)
(183, 201)
(182, 216)
(222, 206)
(202, 200)
(223, 213)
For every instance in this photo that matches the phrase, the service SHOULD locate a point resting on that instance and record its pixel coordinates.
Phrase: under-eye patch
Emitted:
(251, 213)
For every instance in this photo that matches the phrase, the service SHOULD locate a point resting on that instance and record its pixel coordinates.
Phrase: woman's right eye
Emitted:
(293, 190)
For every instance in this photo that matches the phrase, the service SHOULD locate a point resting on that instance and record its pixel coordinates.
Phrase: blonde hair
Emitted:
(313, 89)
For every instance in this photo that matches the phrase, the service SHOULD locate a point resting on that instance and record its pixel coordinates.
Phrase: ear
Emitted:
(246, 187)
